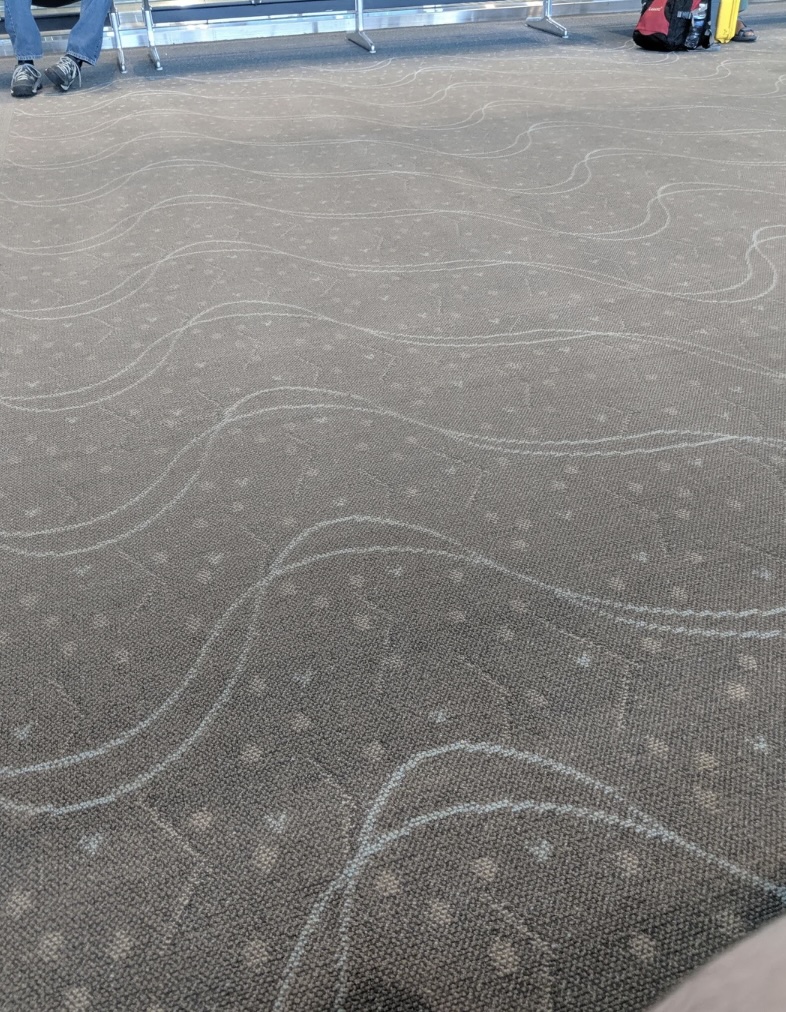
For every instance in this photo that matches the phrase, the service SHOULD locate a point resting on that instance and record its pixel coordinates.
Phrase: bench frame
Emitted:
(148, 24)
(206, 20)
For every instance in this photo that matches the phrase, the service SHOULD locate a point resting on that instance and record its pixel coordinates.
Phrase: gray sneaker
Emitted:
(64, 73)
(25, 81)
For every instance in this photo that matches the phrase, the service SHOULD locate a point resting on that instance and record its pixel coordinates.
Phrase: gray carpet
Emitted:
(393, 468)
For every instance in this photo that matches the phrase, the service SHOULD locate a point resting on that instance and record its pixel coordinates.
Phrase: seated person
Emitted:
(84, 46)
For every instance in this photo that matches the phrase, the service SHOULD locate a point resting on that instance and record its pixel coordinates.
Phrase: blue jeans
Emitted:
(84, 42)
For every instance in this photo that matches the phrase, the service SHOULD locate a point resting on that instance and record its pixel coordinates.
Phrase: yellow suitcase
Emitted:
(726, 20)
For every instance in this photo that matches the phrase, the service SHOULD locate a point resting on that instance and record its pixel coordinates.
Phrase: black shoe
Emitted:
(25, 81)
(64, 73)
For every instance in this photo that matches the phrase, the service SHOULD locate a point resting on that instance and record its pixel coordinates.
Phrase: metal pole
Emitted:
(546, 23)
(114, 21)
(151, 36)
(359, 36)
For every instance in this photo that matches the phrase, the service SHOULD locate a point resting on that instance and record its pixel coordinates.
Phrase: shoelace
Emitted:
(25, 72)
(70, 69)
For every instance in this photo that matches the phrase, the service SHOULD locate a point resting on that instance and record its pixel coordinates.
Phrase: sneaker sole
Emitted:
(26, 91)
(56, 79)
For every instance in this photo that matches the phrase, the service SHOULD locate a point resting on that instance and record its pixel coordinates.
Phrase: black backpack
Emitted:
(666, 25)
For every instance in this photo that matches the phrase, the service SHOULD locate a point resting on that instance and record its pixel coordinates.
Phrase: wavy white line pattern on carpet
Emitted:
(391, 482)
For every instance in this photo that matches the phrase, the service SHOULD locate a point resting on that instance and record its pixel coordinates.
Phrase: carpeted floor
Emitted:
(392, 505)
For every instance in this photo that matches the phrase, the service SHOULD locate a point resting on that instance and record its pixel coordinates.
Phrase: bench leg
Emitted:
(114, 21)
(549, 25)
(362, 40)
(546, 23)
(151, 36)
(359, 36)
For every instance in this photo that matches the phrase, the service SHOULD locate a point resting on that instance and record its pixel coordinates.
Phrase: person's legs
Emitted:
(744, 34)
(22, 29)
(84, 44)
(26, 40)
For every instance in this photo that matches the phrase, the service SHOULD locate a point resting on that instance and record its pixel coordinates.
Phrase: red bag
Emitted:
(666, 25)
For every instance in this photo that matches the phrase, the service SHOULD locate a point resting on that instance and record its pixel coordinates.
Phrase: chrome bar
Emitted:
(114, 20)
(359, 36)
(546, 23)
(150, 30)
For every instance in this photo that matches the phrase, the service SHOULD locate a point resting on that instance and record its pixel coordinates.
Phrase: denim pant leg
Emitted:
(22, 30)
(86, 36)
